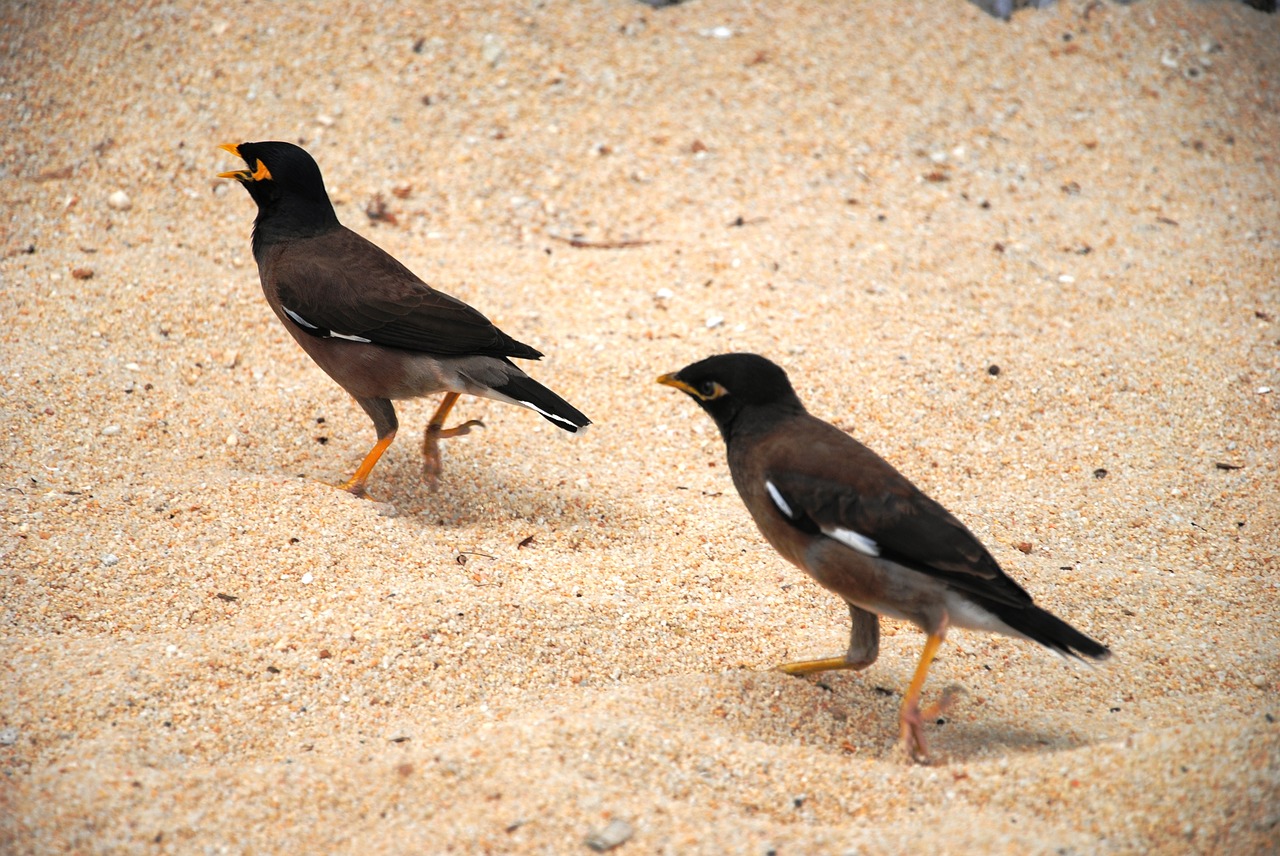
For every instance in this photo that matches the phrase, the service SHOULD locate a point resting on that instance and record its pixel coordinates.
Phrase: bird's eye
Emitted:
(709, 389)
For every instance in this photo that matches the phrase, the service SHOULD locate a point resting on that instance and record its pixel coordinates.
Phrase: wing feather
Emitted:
(864, 497)
(372, 296)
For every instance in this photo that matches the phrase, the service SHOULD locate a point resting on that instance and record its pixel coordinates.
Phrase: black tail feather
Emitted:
(528, 392)
(1042, 626)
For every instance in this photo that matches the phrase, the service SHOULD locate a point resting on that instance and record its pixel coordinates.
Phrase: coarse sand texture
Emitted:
(1034, 265)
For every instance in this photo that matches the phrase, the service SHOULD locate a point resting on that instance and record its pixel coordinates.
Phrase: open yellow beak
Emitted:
(260, 173)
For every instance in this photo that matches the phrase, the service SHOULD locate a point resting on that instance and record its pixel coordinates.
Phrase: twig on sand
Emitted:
(584, 244)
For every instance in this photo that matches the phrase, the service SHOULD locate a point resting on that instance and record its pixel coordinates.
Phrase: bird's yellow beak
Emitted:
(675, 382)
(716, 389)
(260, 173)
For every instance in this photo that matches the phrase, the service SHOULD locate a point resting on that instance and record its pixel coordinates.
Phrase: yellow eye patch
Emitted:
(709, 390)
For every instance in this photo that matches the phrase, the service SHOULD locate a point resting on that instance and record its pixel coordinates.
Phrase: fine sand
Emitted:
(205, 648)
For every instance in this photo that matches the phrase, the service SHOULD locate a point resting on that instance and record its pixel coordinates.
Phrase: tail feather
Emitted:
(1049, 630)
(527, 392)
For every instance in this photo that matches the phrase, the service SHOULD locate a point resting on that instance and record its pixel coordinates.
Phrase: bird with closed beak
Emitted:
(846, 517)
(371, 324)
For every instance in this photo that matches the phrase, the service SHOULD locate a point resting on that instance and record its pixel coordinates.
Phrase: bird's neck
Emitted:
(288, 220)
(749, 422)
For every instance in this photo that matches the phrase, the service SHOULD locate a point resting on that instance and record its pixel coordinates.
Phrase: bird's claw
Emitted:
(456, 431)
(950, 695)
(913, 743)
(355, 488)
(432, 465)
(913, 720)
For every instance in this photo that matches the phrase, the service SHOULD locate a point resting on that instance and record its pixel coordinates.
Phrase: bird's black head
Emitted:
(729, 385)
(287, 186)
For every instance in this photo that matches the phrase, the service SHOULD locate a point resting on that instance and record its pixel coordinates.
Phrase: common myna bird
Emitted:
(856, 525)
(367, 320)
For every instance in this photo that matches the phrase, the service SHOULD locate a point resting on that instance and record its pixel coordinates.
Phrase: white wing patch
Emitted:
(335, 334)
(855, 540)
(298, 319)
(847, 537)
(776, 496)
(319, 331)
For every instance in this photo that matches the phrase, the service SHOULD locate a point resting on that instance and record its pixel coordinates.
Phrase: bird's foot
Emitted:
(355, 487)
(913, 744)
(456, 431)
(913, 720)
(432, 466)
(943, 705)
(827, 664)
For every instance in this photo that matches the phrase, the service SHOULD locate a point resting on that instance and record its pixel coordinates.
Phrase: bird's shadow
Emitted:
(857, 715)
(474, 491)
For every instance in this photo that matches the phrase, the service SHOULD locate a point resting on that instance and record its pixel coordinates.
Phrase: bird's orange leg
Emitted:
(912, 718)
(431, 464)
(355, 484)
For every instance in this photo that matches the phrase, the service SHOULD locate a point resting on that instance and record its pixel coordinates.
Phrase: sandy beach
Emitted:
(1035, 265)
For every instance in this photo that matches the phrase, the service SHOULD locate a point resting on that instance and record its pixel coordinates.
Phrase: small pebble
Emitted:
(110, 560)
(616, 833)
(663, 294)
(720, 32)
(307, 578)
(714, 321)
(111, 430)
(8, 736)
(119, 201)
(492, 50)
(1263, 390)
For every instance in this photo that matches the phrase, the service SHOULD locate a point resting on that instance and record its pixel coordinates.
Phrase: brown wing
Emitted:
(351, 287)
(829, 480)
